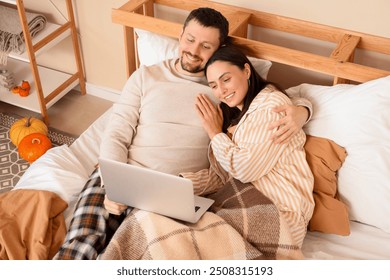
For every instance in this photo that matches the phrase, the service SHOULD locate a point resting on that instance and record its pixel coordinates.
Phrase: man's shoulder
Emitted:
(159, 65)
(157, 69)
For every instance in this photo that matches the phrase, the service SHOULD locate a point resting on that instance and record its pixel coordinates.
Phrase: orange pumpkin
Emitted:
(33, 146)
(23, 92)
(24, 127)
(26, 85)
(15, 89)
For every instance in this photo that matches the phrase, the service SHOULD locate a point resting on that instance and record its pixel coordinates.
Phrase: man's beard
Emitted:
(187, 67)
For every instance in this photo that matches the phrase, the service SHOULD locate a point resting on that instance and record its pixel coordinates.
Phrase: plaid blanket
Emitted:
(91, 226)
(242, 224)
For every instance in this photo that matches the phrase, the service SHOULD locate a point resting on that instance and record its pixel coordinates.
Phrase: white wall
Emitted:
(102, 41)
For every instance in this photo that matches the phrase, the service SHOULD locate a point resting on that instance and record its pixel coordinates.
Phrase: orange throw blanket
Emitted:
(32, 224)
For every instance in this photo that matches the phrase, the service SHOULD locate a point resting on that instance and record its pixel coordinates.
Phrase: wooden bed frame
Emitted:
(340, 64)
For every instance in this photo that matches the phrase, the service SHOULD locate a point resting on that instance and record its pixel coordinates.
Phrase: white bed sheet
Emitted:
(364, 242)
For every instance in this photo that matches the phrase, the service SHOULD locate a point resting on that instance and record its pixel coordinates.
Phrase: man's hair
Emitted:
(209, 17)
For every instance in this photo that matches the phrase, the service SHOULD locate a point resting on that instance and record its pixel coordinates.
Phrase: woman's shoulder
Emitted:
(270, 95)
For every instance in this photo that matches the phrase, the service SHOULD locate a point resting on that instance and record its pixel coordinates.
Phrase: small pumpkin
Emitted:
(23, 92)
(24, 127)
(26, 85)
(15, 89)
(33, 146)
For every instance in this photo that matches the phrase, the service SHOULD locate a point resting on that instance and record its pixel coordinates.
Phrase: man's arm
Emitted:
(119, 132)
(121, 126)
(296, 116)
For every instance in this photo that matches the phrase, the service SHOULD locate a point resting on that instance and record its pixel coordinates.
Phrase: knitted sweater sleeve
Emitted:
(123, 122)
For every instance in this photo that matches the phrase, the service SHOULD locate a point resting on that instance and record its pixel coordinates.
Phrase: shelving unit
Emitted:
(54, 84)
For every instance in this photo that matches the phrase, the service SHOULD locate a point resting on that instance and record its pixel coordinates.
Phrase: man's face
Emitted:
(196, 45)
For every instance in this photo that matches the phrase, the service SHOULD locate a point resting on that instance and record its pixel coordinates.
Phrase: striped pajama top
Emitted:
(279, 171)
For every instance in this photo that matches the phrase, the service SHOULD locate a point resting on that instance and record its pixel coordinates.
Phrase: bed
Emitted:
(350, 124)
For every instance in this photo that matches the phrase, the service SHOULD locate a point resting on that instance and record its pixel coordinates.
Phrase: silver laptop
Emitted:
(153, 191)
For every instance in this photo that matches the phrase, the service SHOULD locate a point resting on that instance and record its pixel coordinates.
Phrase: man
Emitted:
(155, 125)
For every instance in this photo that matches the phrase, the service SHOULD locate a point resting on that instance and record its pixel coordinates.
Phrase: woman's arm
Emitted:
(209, 180)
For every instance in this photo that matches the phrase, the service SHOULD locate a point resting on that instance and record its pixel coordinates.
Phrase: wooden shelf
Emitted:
(49, 28)
(13, 2)
(22, 71)
(47, 85)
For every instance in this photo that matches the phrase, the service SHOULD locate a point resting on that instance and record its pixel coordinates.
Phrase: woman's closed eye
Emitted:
(226, 80)
(213, 85)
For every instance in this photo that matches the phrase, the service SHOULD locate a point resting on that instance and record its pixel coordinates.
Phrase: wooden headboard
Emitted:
(340, 64)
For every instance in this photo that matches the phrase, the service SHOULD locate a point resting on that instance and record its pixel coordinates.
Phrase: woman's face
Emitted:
(228, 82)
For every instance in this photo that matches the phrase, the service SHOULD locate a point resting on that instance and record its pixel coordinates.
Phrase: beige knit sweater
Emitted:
(154, 123)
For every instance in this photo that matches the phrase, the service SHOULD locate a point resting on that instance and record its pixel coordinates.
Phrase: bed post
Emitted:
(143, 7)
(345, 51)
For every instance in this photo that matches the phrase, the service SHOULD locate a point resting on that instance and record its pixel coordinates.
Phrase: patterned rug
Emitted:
(12, 166)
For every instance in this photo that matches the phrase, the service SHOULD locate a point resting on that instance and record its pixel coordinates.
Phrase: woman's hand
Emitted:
(114, 207)
(294, 119)
(210, 114)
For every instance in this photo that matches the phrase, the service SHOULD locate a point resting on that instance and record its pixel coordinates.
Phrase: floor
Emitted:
(73, 113)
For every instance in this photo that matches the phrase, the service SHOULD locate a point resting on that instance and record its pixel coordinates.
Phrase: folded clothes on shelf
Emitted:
(11, 32)
(7, 79)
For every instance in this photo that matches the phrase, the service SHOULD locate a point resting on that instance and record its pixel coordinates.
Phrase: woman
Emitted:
(240, 147)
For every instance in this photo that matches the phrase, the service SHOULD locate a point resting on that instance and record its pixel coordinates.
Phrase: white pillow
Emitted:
(262, 66)
(357, 117)
(58, 171)
(154, 48)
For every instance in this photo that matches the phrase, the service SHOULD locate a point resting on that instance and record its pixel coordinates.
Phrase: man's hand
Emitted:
(294, 119)
(114, 207)
(210, 115)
